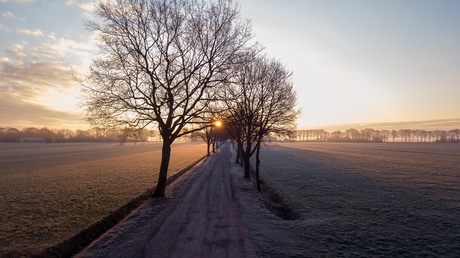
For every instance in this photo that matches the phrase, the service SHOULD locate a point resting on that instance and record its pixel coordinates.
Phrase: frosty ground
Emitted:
(362, 200)
(49, 192)
(353, 200)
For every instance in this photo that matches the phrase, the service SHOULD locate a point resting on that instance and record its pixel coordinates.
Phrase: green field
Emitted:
(49, 192)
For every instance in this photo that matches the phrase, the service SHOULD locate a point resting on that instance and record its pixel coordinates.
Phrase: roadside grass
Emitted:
(45, 201)
(363, 200)
(275, 202)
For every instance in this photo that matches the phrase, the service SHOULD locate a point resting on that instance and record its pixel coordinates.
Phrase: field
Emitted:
(48, 192)
(362, 200)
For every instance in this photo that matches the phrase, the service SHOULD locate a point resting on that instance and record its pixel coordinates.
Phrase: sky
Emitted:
(355, 63)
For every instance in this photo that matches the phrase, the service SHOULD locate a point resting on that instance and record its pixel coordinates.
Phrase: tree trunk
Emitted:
(239, 147)
(163, 175)
(257, 166)
(247, 160)
(208, 143)
(247, 165)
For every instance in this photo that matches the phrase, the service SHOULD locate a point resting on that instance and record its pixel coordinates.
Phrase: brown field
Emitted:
(362, 200)
(49, 192)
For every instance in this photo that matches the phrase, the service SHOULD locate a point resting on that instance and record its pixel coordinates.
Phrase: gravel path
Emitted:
(200, 218)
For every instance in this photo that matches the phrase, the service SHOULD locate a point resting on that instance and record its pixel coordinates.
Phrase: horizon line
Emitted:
(432, 124)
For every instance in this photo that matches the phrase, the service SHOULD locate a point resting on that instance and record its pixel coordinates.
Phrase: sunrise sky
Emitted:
(354, 63)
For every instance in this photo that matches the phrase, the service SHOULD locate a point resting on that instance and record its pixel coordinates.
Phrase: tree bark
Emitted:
(247, 157)
(238, 152)
(163, 175)
(247, 165)
(257, 166)
(247, 160)
(208, 143)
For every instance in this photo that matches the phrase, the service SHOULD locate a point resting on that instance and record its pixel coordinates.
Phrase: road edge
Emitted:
(85, 237)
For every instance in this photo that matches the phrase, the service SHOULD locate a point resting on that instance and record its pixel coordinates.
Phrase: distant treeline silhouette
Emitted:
(9, 134)
(372, 135)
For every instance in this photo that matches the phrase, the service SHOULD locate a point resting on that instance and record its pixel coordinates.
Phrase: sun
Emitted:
(218, 123)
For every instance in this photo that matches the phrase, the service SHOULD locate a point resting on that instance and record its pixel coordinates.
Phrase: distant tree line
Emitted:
(10, 134)
(372, 135)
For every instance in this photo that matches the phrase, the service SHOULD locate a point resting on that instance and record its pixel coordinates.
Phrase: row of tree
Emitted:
(259, 101)
(11, 134)
(178, 66)
(212, 134)
(372, 135)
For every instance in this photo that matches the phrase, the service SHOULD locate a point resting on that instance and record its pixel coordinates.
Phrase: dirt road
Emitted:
(200, 218)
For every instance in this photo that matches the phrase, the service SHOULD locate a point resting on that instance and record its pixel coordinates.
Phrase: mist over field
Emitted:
(51, 191)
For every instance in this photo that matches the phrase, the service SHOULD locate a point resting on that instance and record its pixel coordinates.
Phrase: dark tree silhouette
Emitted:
(260, 100)
(210, 135)
(277, 114)
(159, 61)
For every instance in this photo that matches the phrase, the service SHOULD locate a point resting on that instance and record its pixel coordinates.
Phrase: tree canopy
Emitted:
(159, 62)
(260, 100)
(179, 64)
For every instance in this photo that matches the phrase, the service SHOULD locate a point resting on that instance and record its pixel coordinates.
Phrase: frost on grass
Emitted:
(50, 192)
(360, 200)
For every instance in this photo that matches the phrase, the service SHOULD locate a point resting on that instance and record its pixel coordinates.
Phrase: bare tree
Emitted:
(455, 135)
(260, 101)
(394, 134)
(210, 135)
(241, 109)
(353, 134)
(277, 113)
(385, 135)
(158, 61)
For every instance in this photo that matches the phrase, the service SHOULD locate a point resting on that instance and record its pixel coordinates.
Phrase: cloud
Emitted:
(31, 79)
(88, 7)
(18, 1)
(36, 32)
(50, 63)
(37, 85)
(80, 52)
(69, 46)
(11, 16)
(24, 1)
(27, 89)
(4, 28)
(16, 50)
(43, 51)
(8, 15)
(16, 112)
(32, 74)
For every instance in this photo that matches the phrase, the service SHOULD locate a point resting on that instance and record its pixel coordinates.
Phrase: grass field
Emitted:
(48, 192)
(363, 200)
